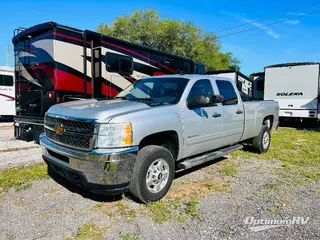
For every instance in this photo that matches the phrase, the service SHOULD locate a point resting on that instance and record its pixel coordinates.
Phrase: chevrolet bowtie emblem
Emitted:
(59, 130)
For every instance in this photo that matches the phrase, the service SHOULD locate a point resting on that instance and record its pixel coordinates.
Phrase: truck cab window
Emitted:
(6, 81)
(119, 63)
(201, 87)
(226, 89)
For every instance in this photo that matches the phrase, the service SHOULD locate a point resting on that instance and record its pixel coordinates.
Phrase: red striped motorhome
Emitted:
(56, 63)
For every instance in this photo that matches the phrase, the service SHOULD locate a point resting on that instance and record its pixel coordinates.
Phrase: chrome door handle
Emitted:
(216, 115)
(239, 111)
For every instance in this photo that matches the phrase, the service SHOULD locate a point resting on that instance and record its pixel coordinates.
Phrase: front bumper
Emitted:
(103, 171)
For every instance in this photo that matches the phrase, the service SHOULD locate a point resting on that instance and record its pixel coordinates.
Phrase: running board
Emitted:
(207, 157)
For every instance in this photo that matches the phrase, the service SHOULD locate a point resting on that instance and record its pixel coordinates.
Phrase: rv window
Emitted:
(119, 63)
(227, 91)
(200, 69)
(6, 80)
(260, 85)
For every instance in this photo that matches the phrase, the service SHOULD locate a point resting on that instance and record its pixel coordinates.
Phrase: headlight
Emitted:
(114, 135)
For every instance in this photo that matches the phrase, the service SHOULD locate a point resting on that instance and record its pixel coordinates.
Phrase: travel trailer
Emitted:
(7, 92)
(258, 85)
(296, 87)
(56, 63)
(243, 83)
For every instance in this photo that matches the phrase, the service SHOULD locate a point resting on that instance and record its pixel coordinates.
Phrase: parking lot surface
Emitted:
(240, 196)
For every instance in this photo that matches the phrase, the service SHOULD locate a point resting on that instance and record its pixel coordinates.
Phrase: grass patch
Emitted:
(229, 170)
(21, 177)
(88, 231)
(181, 202)
(18, 149)
(297, 149)
(117, 209)
(125, 211)
(173, 209)
(272, 210)
(316, 191)
(271, 186)
(128, 236)
(250, 197)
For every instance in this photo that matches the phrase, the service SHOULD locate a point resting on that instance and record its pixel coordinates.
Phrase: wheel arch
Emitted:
(167, 139)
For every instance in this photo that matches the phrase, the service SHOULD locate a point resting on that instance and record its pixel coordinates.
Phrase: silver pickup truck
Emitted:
(151, 130)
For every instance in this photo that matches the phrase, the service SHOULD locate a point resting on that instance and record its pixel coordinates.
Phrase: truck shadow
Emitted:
(196, 168)
(86, 194)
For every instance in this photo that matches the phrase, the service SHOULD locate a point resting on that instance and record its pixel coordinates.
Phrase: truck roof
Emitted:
(193, 77)
(292, 64)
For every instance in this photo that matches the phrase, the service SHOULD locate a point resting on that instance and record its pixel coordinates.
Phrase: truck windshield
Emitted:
(161, 90)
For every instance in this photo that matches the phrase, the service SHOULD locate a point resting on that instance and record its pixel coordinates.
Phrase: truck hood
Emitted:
(98, 110)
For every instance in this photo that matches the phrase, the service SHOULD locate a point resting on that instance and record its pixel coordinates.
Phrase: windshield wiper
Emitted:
(143, 99)
(136, 99)
(125, 98)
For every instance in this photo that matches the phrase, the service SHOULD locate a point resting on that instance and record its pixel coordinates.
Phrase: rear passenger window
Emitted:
(201, 87)
(6, 80)
(226, 89)
(119, 63)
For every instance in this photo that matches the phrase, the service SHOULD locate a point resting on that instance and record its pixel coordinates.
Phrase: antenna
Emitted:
(8, 55)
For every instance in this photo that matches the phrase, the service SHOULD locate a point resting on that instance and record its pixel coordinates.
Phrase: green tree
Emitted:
(178, 37)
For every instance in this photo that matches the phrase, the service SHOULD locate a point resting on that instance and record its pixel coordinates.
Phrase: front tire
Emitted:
(153, 174)
(261, 143)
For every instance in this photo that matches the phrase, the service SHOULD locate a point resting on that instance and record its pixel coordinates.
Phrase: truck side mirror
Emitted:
(217, 99)
(198, 101)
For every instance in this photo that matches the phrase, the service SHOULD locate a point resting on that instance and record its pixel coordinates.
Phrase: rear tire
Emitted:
(153, 174)
(261, 143)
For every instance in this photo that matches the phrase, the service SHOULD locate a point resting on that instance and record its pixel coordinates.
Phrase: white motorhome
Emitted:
(258, 85)
(296, 87)
(7, 92)
(244, 83)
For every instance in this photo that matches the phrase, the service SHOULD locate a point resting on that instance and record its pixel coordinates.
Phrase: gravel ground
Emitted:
(47, 210)
(14, 152)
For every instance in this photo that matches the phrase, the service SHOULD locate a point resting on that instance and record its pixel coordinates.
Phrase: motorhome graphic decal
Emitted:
(285, 94)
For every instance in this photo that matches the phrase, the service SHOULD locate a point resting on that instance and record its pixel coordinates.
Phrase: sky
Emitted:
(290, 41)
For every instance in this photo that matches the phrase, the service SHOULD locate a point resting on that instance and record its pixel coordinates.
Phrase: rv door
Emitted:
(96, 79)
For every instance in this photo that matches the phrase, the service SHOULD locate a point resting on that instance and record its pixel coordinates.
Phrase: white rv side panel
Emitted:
(296, 88)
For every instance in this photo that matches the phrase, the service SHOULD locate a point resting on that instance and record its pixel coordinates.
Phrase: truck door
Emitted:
(202, 126)
(232, 111)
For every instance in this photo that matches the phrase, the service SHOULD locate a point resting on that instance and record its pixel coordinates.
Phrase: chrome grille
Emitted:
(78, 134)
(82, 142)
(70, 124)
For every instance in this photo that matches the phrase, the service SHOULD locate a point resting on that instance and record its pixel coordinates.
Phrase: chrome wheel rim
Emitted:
(265, 140)
(157, 175)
